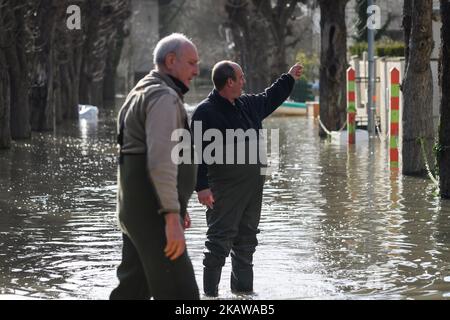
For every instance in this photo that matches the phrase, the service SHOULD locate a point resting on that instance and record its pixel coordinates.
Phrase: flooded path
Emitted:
(336, 224)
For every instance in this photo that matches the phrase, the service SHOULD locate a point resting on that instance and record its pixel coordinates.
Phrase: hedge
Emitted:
(389, 49)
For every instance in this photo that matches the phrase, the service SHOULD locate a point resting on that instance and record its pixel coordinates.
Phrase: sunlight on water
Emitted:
(336, 224)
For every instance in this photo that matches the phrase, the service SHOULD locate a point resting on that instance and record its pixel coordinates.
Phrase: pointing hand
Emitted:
(296, 71)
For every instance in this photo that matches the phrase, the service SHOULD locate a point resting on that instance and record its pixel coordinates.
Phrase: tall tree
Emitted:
(406, 23)
(41, 60)
(55, 55)
(248, 29)
(417, 91)
(105, 19)
(333, 64)
(41, 21)
(168, 13)
(279, 15)
(15, 53)
(94, 53)
(112, 62)
(5, 132)
(444, 128)
(263, 31)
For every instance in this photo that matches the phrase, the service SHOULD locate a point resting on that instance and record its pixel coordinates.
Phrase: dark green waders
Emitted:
(145, 271)
(232, 225)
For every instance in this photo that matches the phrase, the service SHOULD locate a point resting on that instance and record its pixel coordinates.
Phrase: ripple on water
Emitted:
(335, 224)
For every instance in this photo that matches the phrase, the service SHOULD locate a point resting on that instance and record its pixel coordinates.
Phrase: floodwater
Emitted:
(336, 223)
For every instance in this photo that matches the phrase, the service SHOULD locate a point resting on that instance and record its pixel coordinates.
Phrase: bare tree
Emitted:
(444, 128)
(250, 39)
(279, 16)
(14, 23)
(41, 61)
(104, 18)
(5, 132)
(112, 61)
(333, 64)
(170, 12)
(263, 32)
(417, 91)
(257, 34)
(41, 23)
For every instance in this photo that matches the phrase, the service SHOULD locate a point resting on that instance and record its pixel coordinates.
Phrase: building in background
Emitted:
(383, 67)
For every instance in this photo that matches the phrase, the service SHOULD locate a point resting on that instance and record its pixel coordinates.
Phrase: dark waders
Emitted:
(232, 225)
(145, 271)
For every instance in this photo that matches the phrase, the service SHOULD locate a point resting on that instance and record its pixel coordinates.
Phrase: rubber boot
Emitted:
(241, 280)
(211, 279)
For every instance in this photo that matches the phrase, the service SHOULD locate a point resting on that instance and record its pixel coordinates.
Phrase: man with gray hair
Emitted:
(153, 191)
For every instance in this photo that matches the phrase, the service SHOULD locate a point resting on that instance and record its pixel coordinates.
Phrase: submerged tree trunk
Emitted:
(88, 62)
(444, 128)
(112, 62)
(42, 25)
(41, 60)
(418, 92)
(5, 132)
(109, 82)
(76, 41)
(75, 67)
(105, 19)
(18, 71)
(333, 64)
(63, 50)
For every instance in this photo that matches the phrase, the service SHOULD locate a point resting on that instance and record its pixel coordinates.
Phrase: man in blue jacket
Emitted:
(232, 192)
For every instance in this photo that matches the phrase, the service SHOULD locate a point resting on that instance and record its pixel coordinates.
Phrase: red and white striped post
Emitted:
(351, 105)
(394, 119)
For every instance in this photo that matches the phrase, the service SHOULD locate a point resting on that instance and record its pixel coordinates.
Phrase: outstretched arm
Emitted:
(268, 101)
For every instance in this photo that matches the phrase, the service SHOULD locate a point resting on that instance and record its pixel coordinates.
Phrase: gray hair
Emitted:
(169, 44)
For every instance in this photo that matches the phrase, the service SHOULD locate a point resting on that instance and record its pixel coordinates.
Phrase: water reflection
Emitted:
(336, 222)
(57, 223)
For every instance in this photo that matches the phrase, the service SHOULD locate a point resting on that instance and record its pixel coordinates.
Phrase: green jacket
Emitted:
(150, 114)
